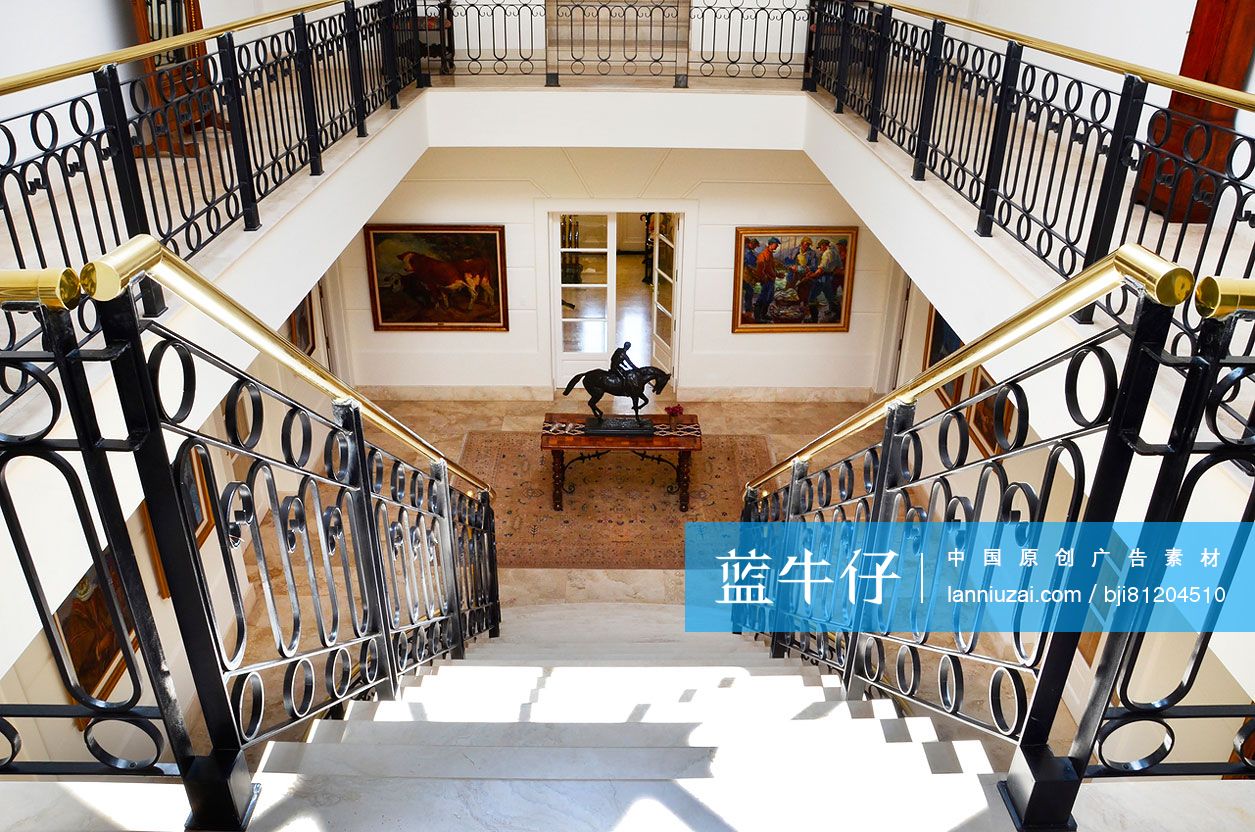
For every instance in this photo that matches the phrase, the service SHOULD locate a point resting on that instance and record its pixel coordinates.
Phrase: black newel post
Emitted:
(792, 508)
(453, 559)
(61, 340)
(219, 784)
(357, 78)
(1117, 159)
(890, 469)
(233, 97)
(683, 37)
(552, 55)
(391, 69)
(494, 579)
(446, 38)
(998, 141)
(309, 106)
(928, 101)
(1041, 787)
(349, 417)
(845, 43)
(126, 173)
(1116, 163)
(884, 43)
(811, 57)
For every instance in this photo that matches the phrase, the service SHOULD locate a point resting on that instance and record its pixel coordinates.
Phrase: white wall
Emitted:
(717, 191)
(1147, 34)
(36, 35)
(1150, 34)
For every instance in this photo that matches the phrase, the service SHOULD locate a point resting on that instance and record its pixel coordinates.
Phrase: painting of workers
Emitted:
(793, 279)
(428, 277)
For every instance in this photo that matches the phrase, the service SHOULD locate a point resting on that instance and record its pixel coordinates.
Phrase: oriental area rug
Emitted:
(620, 515)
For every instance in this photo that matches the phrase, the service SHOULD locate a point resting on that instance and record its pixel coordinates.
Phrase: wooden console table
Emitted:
(564, 432)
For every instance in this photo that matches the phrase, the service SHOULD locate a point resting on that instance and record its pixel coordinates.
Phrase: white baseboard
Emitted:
(459, 393)
(514, 393)
(774, 394)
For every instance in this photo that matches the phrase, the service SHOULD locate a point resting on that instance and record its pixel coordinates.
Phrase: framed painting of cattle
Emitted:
(433, 277)
(793, 279)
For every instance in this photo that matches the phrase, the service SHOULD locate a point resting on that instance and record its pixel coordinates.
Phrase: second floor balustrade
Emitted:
(1069, 153)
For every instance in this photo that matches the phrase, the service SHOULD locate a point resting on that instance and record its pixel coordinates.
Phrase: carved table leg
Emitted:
(559, 479)
(682, 478)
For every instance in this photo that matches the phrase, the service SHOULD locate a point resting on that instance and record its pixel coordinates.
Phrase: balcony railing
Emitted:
(1032, 134)
(1040, 143)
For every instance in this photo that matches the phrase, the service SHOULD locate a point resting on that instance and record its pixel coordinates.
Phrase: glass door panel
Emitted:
(584, 336)
(586, 231)
(666, 234)
(583, 303)
(586, 274)
(584, 268)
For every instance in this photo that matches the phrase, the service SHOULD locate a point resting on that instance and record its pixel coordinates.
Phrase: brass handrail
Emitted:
(1165, 282)
(1190, 86)
(59, 72)
(108, 276)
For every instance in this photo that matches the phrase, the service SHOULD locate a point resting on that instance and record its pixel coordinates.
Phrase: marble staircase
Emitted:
(610, 717)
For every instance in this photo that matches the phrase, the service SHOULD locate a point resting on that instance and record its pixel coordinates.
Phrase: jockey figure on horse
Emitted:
(621, 364)
(623, 378)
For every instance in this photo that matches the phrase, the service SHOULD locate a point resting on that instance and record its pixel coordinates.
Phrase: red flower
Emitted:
(675, 410)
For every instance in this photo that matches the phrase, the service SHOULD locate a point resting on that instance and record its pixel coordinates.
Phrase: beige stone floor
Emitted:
(786, 426)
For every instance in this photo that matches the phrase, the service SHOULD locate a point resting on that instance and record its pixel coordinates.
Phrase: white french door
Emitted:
(666, 234)
(586, 275)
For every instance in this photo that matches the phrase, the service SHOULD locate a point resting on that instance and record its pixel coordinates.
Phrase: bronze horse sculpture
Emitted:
(625, 383)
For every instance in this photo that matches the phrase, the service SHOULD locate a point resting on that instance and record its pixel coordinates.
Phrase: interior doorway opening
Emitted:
(634, 294)
(616, 273)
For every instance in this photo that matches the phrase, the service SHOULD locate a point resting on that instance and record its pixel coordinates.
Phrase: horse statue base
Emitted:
(618, 426)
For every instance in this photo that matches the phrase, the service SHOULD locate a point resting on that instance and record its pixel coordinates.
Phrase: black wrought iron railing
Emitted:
(1069, 166)
(986, 458)
(1043, 147)
(292, 554)
(185, 147)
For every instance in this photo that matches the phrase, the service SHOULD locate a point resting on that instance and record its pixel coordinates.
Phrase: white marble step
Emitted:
(620, 686)
(607, 734)
(486, 709)
(524, 659)
(715, 676)
(776, 699)
(634, 651)
(510, 763)
(707, 641)
(618, 764)
(731, 668)
(348, 803)
(942, 803)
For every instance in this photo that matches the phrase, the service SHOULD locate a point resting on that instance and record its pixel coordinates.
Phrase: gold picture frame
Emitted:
(437, 277)
(91, 640)
(204, 527)
(981, 415)
(940, 341)
(793, 278)
(300, 326)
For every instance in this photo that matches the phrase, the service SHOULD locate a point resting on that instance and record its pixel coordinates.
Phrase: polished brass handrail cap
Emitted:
(1220, 297)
